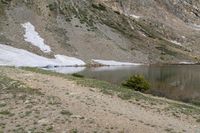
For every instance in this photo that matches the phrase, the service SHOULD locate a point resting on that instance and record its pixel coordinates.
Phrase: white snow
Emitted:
(142, 33)
(11, 56)
(34, 38)
(69, 61)
(134, 16)
(183, 37)
(175, 42)
(114, 63)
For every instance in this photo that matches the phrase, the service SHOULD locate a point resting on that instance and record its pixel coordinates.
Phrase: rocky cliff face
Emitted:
(148, 31)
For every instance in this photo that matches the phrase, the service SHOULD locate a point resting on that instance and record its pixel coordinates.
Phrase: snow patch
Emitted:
(142, 33)
(69, 61)
(34, 38)
(183, 37)
(10, 56)
(175, 42)
(114, 63)
(133, 16)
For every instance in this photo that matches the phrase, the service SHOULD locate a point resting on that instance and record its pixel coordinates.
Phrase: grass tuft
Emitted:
(66, 112)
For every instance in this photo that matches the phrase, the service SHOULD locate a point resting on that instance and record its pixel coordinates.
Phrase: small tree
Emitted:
(137, 83)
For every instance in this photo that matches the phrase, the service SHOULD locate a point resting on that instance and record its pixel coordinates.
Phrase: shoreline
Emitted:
(74, 78)
(100, 65)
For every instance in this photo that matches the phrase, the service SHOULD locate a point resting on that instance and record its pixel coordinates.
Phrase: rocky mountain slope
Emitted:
(149, 31)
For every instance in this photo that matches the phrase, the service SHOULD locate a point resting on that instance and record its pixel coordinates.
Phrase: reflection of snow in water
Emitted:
(66, 70)
(111, 68)
(11, 56)
(34, 38)
(114, 63)
(187, 62)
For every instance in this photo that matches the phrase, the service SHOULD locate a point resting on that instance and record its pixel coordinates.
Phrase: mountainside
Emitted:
(149, 31)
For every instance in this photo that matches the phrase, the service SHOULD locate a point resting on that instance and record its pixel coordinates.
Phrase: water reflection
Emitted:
(179, 82)
(66, 70)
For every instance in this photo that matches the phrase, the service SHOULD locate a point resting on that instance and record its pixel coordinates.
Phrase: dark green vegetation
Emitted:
(195, 102)
(1, 8)
(5, 112)
(78, 75)
(137, 83)
(5, 1)
(99, 7)
(52, 6)
(3, 4)
(66, 112)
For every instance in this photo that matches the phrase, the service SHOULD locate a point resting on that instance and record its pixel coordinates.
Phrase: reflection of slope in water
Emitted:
(179, 82)
(111, 68)
(113, 74)
(176, 82)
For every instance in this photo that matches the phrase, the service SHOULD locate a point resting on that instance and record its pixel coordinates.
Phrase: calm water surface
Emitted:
(179, 82)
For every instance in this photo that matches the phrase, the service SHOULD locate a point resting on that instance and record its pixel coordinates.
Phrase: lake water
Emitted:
(178, 82)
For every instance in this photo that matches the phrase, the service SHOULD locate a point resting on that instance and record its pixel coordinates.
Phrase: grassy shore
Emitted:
(175, 107)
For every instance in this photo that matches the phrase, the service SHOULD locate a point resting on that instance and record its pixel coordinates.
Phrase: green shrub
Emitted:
(5, 1)
(99, 7)
(137, 83)
(78, 75)
(52, 6)
(66, 112)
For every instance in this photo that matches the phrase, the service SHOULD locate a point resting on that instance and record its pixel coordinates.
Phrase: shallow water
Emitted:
(179, 82)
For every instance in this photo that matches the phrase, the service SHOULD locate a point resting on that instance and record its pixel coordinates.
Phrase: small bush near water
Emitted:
(137, 83)
(77, 75)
